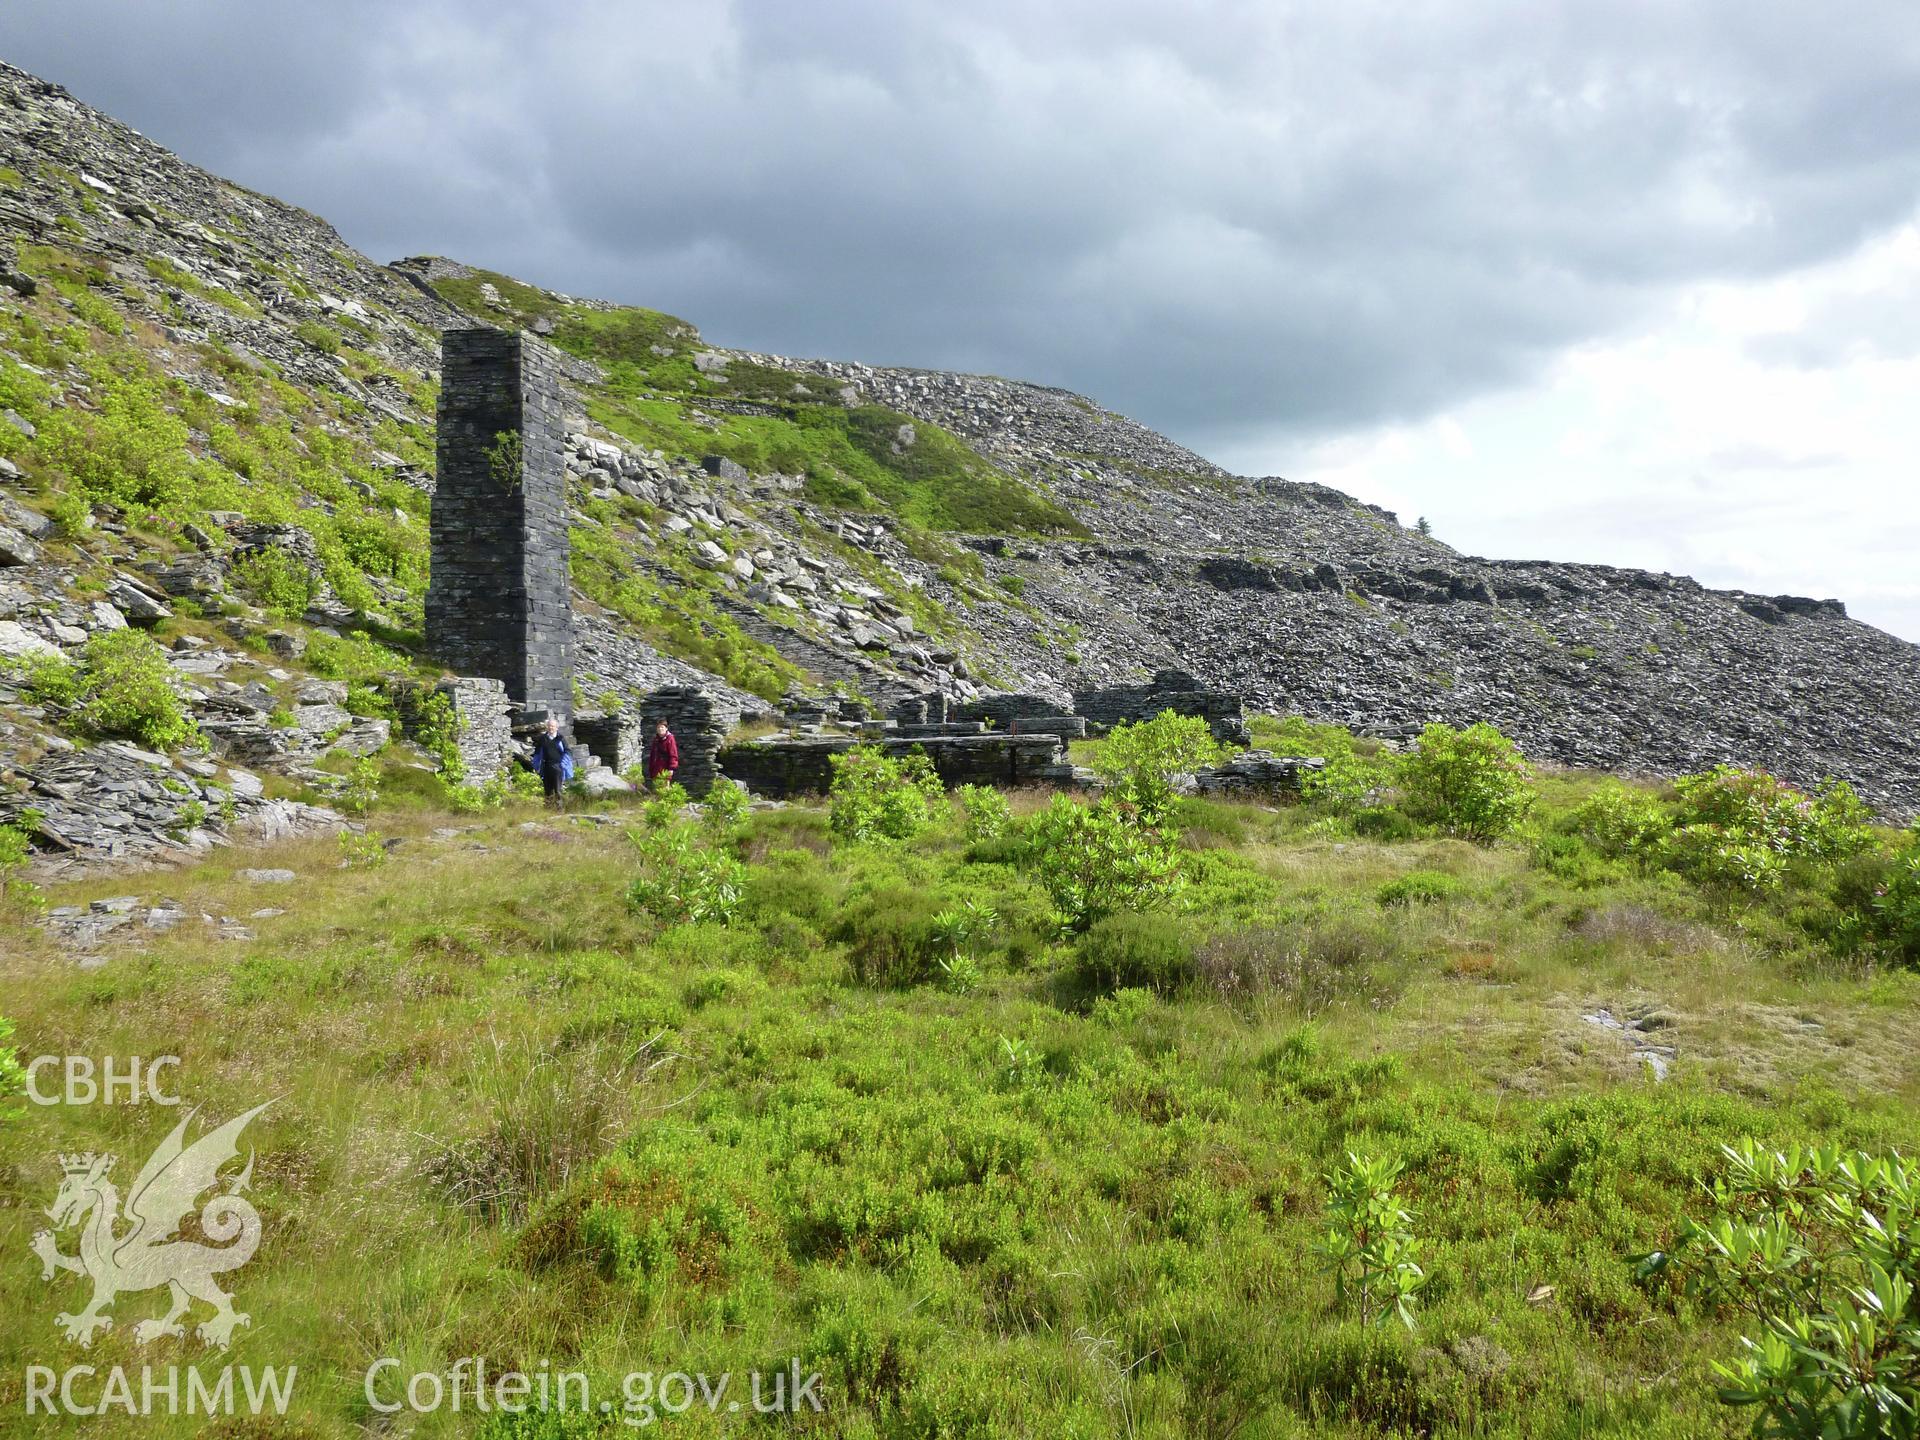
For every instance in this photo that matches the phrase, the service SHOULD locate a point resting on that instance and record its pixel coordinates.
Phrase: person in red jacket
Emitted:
(663, 756)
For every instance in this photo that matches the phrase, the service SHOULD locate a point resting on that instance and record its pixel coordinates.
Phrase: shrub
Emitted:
(1349, 781)
(1370, 1245)
(789, 882)
(352, 657)
(955, 930)
(1137, 951)
(1822, 1250)
(1895, 908)
(13, 1075)
(1139, 761)
(48, 679)
(368, 701)
(1745, 828)
(664, 804)
(362, 852)
(1621, 823)
(891, 935)
(276, 581)
(682, 881)
(1758, 807)
(725, 809)
(319, 336)
(15, 846)
(362, 790)
(1384, 822)
(1418, 887)
(471, 799)
(436, 730)
(988, 815)
(123, 685)
(1096, 860)
(1472, 783)
(876, 798)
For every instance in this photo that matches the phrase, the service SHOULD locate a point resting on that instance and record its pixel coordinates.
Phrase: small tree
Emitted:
(1370, 1244)
(875, 798)
(724, 810)
(1096, 860)
(1472, 783)
(681, 880)
(1139, 761)
(989, 816)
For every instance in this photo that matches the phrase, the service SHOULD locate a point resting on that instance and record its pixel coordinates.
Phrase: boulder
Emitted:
(16, 548)
(19, 643)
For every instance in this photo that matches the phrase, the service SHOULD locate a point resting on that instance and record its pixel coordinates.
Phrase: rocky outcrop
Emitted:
(118, 803)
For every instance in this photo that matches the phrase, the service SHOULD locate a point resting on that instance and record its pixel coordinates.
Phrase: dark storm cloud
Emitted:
(1227, 219)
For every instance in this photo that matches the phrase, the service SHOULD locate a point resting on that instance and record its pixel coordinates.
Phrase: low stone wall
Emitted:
(1003, 707)
(803, 764)
(1256, 772)
(1067, 727)
(1173, 690)
(484, 717)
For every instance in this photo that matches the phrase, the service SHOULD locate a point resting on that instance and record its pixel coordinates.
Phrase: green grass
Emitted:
(518, 1120)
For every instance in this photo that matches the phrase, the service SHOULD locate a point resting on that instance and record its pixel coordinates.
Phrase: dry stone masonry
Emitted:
(1173, 690)
(699, 722)
(499, 604)
(803, 764)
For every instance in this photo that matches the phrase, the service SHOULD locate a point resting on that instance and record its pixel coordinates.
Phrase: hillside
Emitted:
(208, 373)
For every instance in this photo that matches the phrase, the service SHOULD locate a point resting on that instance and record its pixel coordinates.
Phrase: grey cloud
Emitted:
(1230, 219)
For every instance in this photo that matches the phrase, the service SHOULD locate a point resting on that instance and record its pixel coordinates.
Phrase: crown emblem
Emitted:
(82, 1163)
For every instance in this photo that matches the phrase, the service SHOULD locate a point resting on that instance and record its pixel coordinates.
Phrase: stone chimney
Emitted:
(499, 603)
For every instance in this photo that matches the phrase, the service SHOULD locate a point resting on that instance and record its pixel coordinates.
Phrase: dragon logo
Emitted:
(149, 1251)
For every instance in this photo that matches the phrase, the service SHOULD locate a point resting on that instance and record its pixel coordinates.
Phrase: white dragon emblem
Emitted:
(150, 1252)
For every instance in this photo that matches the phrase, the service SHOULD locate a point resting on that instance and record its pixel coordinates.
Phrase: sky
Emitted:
(1632, 281)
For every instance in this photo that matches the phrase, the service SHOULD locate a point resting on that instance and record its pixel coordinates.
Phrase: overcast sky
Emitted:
(1614, 281)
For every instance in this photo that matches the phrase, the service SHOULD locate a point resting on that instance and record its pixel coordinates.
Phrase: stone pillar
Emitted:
(481, 717)
(499, 603)
(698, 728)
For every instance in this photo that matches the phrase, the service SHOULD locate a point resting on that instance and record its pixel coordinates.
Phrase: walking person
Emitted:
(663, 756)
(552, 760)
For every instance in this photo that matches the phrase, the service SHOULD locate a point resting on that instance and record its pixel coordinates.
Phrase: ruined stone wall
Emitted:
(499, 604)
(1173, 690)
(699, 726)
(1002, 707)
(803, 765)
(482, 717)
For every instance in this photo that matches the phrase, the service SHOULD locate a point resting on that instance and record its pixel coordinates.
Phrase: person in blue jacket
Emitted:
(552, 760)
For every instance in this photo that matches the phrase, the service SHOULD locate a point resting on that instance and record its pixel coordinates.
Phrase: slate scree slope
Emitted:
(1298, 597)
